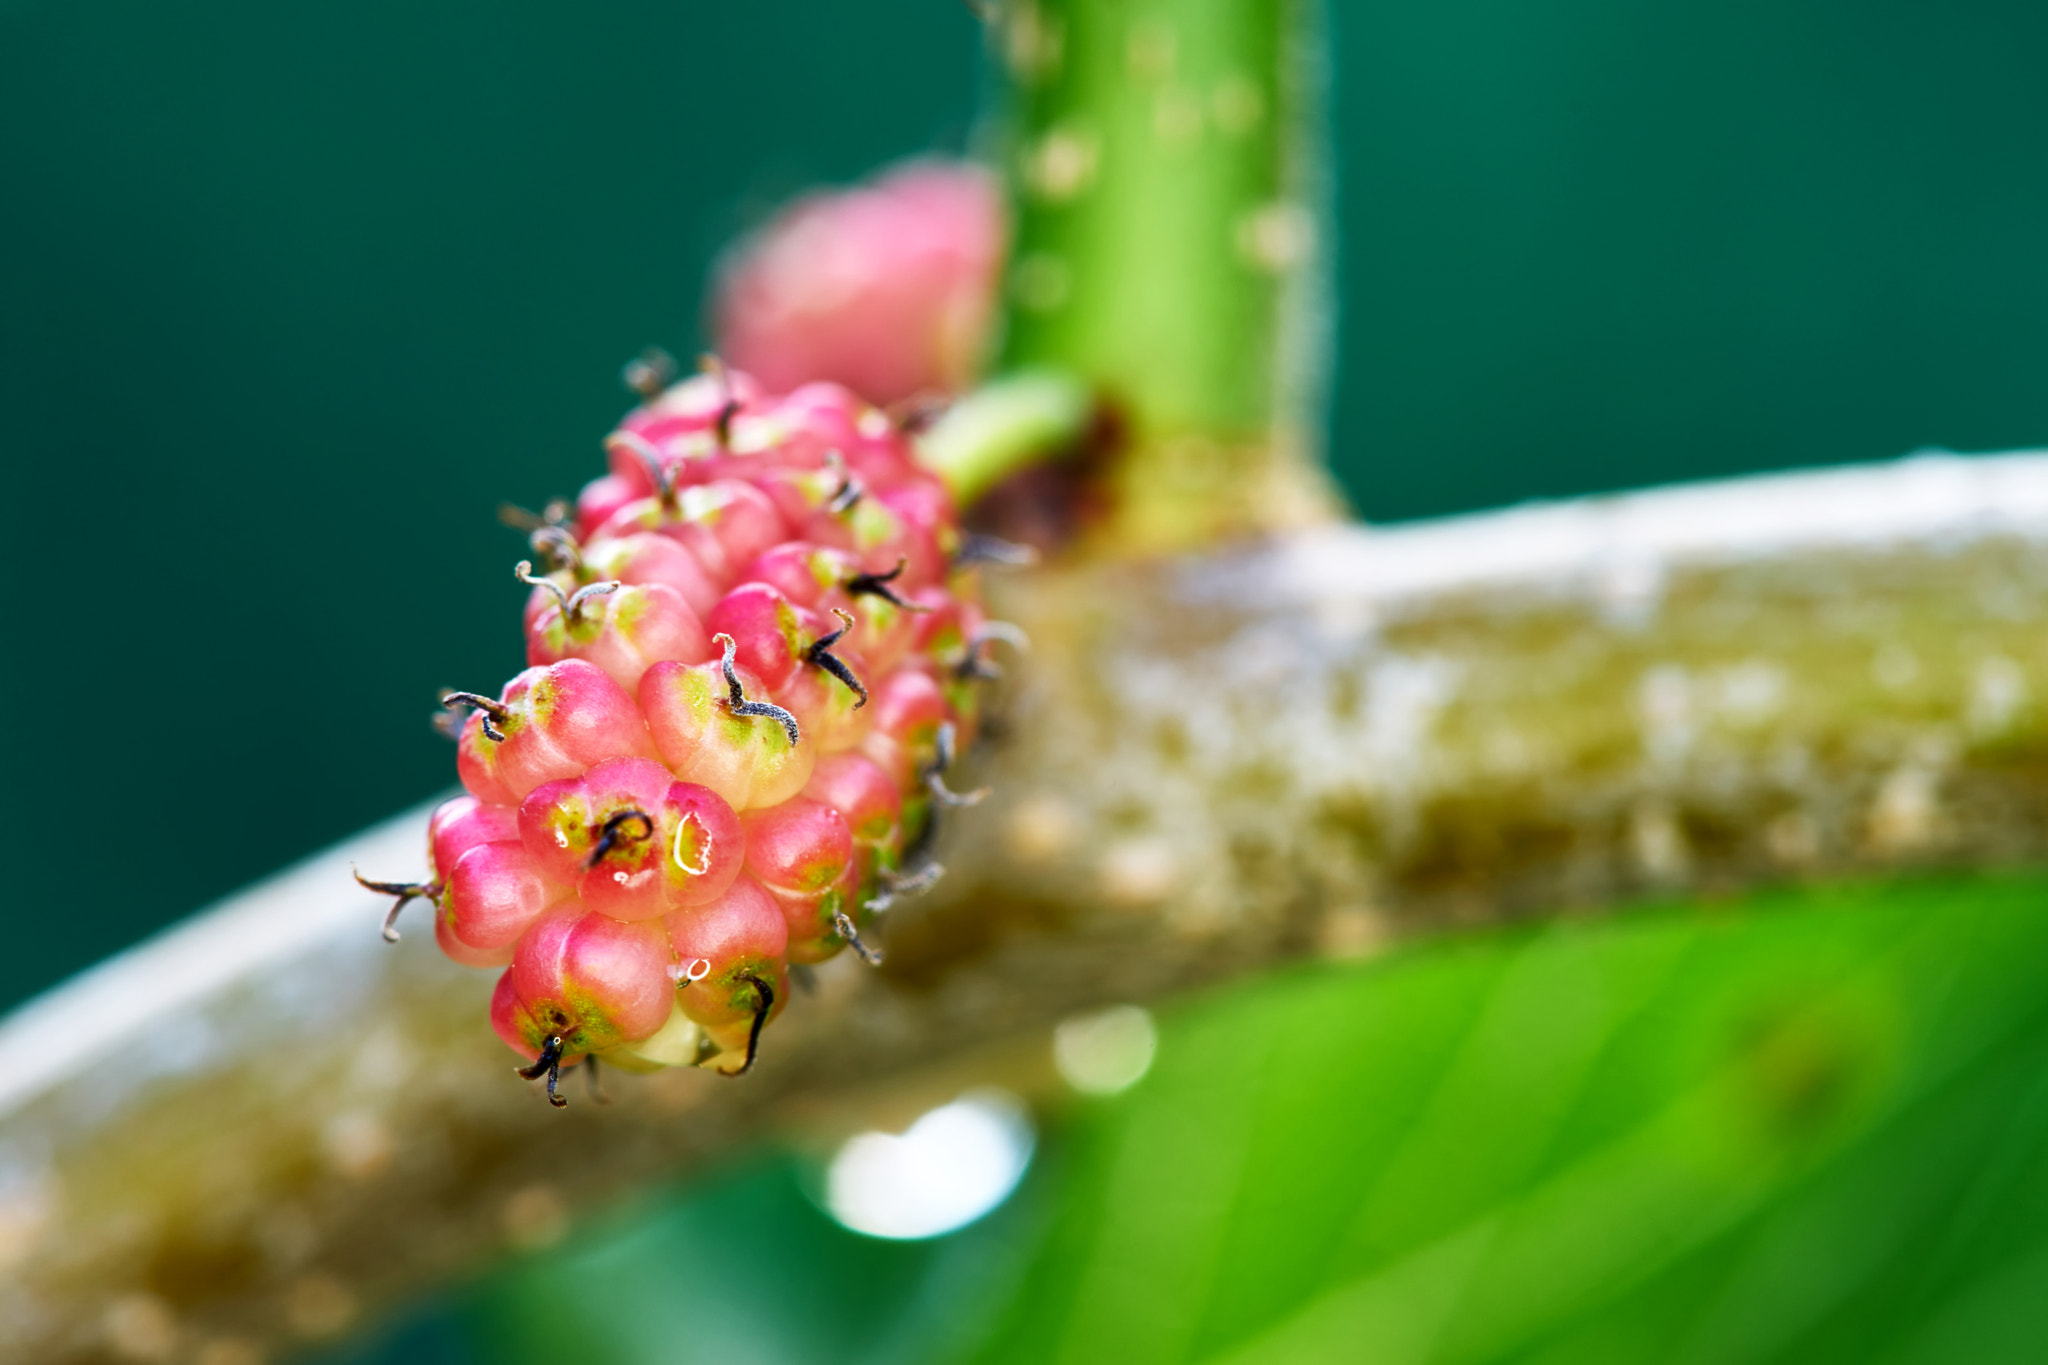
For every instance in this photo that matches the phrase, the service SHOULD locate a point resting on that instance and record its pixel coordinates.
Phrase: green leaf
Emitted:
(1808, 1126)
(1810, 1131)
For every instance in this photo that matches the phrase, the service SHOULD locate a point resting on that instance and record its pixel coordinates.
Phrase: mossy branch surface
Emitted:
(267, 1125)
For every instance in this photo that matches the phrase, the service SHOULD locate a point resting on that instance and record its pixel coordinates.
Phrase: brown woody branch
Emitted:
(266, 1124)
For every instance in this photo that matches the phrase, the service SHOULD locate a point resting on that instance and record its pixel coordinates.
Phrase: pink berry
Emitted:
(831, 711)
(634, 842)
(821, 578)
(909, 708)
(723, 951)
(492, 894)
(814, 917)
(724, 523)
(802, 854)
(693, 406)
(802, 572)
(508, 1018)
(750, 760)
(862, 793)
(800, 846)
(646, 558)
(476, 764)
(926, 533)
(821, 422)
(460, 824)
(588, 979)
(770, 631)
(873, 808)
(555, 721)
(888, 288)
(624, 632)
(801, 492)
(603, 497)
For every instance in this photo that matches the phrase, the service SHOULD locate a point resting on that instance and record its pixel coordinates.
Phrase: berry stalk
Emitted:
(1170, 250)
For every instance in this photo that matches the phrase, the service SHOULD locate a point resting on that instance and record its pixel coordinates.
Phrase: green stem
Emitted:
(1006, 425)
(1169, 238)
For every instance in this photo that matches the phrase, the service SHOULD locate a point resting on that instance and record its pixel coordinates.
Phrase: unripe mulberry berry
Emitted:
(888, 287)
(582, 982)
(460, 824)
(752, 656)
(909, 708)
(623, 632)
(725, 523)
(551, 722)
(869, 802)
(802, 854)
(728, 954)
(750, 758)
(493, 893)
(633, 841)
(646, 559)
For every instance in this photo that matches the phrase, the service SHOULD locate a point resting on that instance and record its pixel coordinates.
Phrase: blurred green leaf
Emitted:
(746, 1269)
(1807, 1126)
(1811, 1131)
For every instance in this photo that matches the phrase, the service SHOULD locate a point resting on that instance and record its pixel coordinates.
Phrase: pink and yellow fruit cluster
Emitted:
(752, 649)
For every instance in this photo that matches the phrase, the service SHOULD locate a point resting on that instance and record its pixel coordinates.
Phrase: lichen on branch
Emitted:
(268, 1123)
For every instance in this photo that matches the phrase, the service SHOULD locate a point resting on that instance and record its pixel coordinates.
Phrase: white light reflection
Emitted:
(1106, 1052)
(953, 1165)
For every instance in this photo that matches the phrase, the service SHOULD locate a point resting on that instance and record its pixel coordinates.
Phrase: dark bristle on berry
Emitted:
(753, 645)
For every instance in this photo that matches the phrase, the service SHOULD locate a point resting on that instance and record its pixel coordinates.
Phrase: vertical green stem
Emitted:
(1170, 235)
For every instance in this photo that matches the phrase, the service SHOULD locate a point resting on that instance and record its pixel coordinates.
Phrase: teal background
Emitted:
(294, 295)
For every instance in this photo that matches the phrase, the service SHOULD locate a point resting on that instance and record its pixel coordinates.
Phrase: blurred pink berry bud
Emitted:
(888, 288)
